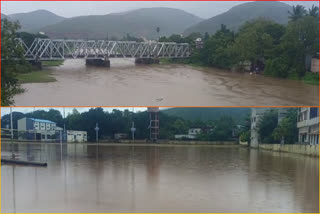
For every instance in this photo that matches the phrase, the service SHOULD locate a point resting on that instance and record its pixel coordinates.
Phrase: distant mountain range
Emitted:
(238, 15)
(139, 23)
(4, 16)
(144, 22)
(35, 20)
(206, 114)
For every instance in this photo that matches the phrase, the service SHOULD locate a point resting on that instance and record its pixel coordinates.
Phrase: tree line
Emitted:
(274, 49)
(118, 121)
(271, 131)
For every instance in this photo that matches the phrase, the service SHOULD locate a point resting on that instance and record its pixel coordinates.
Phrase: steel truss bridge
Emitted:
(57, 49)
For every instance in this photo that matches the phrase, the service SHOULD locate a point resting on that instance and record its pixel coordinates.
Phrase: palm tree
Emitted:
(297, 12)
(314, 11)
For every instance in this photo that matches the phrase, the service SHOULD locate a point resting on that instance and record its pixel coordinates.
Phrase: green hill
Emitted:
(138, 23)
(238, 15)
(206, 114)
(35, 20)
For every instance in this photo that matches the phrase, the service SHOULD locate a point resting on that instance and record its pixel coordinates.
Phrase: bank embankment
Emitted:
(135, 142)
(310, 150)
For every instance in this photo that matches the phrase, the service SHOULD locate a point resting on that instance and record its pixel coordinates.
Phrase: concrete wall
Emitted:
(315, 65)
(193, 142)
(312, 150)
(22, 124)
(176, 142)
(243, 143)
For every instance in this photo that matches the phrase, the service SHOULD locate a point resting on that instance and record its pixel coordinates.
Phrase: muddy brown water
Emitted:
(123, 178)
(125, 84)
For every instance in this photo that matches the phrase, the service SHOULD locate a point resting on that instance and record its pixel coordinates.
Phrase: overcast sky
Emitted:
(204, 9)
(6, 110)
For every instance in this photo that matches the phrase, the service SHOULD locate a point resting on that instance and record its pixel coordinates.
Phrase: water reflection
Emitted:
(118, 178)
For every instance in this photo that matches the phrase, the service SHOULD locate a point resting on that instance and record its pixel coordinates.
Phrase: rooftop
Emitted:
(41, 121)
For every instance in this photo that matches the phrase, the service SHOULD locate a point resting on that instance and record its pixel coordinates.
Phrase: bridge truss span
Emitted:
(57, 49)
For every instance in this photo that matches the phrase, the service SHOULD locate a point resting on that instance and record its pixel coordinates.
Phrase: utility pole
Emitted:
(11, 127)
(64, 125)
(97, 132)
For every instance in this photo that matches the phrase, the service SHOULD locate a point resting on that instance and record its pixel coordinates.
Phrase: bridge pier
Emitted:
(147, 61)
(98, 62)
(36, 64)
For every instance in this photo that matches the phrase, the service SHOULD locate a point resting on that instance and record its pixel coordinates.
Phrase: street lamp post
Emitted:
(133, 129)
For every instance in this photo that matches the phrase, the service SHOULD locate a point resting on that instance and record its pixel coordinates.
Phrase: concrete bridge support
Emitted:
(36, 64)
(147, 61)
(98, 62)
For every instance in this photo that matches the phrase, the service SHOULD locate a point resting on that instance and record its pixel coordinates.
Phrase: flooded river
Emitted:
(158, 178)
(125, 84)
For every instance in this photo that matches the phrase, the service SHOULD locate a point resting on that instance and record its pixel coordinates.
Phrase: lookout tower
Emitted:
(154, 123)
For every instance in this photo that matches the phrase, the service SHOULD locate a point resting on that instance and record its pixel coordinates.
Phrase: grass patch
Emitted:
(36, 77)
(52, 63)
(311, 78)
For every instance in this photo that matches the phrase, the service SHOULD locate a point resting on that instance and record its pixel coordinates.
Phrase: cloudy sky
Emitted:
(204, 9)
(5, 110)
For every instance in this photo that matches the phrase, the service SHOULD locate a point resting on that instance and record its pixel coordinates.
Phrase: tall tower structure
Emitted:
(154, 123)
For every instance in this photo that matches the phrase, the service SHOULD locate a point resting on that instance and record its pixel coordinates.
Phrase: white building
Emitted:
(120, 136)
(76, 136)
(199, 43)
(256, 115)
(194, 131)
(192, 134)
(308, 125)
(36, 129)
(184, 136)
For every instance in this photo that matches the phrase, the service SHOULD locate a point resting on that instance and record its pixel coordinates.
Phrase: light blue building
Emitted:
(37, 129)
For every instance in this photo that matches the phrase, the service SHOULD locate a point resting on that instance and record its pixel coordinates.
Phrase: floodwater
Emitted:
(158, 178)
(125, 84)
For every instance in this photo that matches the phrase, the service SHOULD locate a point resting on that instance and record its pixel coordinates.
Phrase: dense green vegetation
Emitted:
(12, 62)
(265, 46)
(220, 128)
(15, 69)
(28, 38)
(206, 114)
(271, 131)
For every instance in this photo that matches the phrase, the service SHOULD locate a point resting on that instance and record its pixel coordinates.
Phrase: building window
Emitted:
(48, 126)
(314, 113)
(42, 126)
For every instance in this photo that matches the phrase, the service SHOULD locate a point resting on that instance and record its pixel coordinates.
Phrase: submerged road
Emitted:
(155, 178)
(125, 84)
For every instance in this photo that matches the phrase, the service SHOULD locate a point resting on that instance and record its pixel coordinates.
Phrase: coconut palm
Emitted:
(297, 12)
(314, 11)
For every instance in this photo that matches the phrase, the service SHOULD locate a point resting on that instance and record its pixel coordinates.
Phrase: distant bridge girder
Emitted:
(55, 49)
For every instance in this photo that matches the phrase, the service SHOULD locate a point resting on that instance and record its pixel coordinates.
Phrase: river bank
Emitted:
(309, 150)
(309, 78)
(40, 76)
(130, 143)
